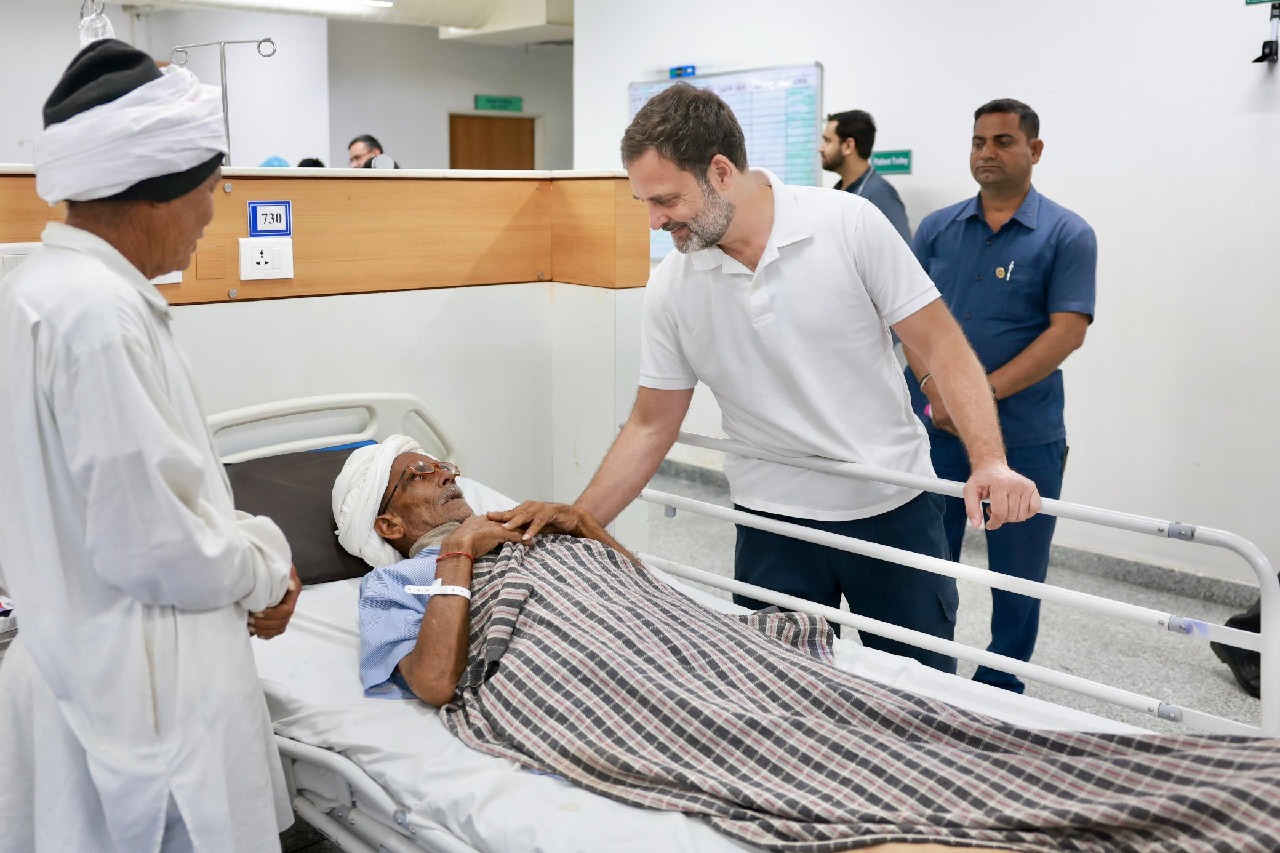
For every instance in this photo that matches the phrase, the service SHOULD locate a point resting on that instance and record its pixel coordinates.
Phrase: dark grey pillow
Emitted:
(293, 490)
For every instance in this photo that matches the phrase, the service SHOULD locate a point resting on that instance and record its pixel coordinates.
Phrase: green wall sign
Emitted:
(502, 103)
(892, 162)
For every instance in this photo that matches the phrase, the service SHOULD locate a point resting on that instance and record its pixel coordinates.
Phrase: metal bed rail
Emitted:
(1267, 643)
(279, 427)
(369, 820)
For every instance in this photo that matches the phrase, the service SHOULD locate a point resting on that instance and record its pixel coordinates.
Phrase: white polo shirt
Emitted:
(798, 353)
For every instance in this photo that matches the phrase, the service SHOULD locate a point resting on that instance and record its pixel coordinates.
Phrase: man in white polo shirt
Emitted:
(780, 299)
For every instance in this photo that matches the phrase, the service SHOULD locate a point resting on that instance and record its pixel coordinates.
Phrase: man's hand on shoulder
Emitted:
(271, 622)
(534, 517)
(1010, 496)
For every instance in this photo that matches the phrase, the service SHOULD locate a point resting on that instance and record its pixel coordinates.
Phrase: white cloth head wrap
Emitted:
(357, 493)
(166, 126)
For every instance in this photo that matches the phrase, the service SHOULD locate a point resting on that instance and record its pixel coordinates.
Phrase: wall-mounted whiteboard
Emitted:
(780, 110)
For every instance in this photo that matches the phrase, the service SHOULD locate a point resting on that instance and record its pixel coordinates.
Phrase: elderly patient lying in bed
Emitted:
(572, 659)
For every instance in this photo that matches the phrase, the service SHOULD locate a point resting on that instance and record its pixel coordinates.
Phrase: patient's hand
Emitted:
(477, 536)
(271, 622)
(536, 517)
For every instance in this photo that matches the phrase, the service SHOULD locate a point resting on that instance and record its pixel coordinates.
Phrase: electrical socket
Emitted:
(266, 258)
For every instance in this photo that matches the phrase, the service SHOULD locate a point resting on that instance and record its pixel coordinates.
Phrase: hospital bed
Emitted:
(377, 774)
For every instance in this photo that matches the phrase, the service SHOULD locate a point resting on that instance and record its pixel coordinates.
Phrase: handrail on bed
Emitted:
(1267, 643)
(383, 414)
(1096, 690)
(372, 812)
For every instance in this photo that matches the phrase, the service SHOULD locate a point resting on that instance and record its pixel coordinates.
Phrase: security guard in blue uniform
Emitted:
(1018, 272)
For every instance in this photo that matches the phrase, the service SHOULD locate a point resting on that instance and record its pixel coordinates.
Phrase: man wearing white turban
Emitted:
(131, 717)
(357, 495)
(410, 517)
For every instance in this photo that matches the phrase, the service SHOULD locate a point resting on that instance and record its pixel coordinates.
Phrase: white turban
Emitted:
(357, 493)
(166, 126)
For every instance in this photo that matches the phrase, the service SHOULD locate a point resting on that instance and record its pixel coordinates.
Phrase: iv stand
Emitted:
(179, 56)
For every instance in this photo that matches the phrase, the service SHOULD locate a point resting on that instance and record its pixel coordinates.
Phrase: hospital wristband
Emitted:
(439, 589)
(456, 554)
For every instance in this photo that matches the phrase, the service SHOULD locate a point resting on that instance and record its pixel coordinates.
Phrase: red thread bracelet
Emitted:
(456, 554)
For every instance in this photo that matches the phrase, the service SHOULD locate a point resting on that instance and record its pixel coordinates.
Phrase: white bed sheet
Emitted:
(310, 676)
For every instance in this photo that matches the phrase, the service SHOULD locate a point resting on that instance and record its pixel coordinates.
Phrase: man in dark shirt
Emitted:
(365, 152)
(846, 147)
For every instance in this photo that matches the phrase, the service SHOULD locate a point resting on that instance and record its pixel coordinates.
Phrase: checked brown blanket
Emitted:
(584, 666)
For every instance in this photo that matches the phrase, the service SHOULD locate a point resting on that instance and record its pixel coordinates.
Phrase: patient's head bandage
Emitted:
(357, 493)
(118, 127)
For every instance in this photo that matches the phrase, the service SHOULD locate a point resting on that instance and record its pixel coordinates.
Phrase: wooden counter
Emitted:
(357, 231)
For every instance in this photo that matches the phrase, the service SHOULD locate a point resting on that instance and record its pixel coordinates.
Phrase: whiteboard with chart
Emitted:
(780, 110)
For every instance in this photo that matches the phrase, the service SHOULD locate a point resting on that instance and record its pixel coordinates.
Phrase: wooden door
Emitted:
(490, 142)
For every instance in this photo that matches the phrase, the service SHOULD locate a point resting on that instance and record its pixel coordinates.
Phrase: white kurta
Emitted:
(132, 679)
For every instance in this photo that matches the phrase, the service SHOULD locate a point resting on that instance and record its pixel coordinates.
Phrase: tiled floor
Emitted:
(1170, 667)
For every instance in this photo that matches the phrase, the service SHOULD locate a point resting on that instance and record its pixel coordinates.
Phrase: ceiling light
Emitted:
(375, 4)
(310, 5)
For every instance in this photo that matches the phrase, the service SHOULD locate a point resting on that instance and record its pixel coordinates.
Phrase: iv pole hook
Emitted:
(180, 56)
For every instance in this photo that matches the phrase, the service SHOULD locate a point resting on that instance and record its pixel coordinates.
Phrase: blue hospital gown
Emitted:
(389, 620)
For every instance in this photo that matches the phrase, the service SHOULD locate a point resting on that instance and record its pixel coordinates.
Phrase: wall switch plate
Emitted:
(266, 258)
(12, 254)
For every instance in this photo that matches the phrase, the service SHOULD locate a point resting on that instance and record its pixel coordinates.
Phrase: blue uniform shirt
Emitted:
(881, 193)
(1001, 287)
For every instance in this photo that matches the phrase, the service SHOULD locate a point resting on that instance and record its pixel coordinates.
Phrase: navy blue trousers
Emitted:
(881, 590)
(1020, 550)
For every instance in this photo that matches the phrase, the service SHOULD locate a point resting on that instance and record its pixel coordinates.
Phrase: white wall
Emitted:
(526, 377)
(399, 83)
(278, 106)
(595, 335)
(491, 389)
(1158, 130)
(38, 38)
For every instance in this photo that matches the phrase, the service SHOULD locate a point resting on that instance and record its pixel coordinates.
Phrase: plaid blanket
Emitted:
(584, 666)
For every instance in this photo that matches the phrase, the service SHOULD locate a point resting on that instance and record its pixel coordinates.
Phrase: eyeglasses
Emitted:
(418, 468)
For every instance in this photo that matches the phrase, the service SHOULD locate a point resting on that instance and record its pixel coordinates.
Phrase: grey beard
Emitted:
(709, 225)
